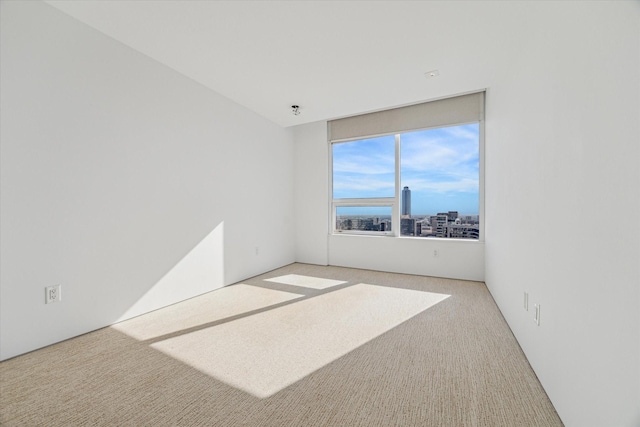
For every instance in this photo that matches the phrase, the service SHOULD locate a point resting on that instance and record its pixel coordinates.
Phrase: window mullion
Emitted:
(395, 216)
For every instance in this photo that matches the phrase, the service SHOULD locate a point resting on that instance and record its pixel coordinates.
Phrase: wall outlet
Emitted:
(435, 253)
(536, 314)
(257, 250)
(52, 294)
(526, 301)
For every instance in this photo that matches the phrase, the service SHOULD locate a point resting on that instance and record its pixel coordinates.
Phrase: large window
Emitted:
(417, 183)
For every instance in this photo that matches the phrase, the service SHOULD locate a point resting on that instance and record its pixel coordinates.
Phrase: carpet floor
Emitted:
(302, 345)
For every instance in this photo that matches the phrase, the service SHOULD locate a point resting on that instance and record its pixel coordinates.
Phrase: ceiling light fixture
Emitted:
(432, 73)
(295, 109)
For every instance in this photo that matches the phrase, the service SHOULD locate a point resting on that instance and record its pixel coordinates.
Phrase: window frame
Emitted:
(395, 202)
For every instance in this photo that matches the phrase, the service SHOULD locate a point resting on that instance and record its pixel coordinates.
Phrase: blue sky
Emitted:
(440, 166)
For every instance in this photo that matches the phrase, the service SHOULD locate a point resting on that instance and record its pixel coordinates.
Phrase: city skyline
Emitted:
(443, 225)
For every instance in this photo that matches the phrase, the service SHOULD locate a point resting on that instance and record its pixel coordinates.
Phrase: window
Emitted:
(417, 183)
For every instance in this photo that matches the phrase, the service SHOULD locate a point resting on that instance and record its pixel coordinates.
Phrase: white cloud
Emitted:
(439, 160)
(367, 184)
(363, 165)
(465, 185)
(437, 155)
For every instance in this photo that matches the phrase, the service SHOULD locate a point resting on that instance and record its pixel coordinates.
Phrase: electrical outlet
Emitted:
(52, 294)
(435, 253)
(526, 301)
(257, 250)
(536, 314)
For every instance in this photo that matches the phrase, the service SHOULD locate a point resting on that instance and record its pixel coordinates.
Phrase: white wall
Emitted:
(128, 184)
(311, 195)
(562, 203)
(455, 259)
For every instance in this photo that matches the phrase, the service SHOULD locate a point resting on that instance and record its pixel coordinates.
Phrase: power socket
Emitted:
(52, 294)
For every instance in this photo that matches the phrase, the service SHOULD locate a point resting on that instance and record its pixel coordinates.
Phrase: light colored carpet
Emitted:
(299, 346)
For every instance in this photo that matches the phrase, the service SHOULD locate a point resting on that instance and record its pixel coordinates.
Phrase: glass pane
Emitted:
(440, 180)
(364, 168)
(363, 218)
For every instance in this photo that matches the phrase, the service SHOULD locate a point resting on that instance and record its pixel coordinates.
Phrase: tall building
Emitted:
(439, 224)
(406, 202)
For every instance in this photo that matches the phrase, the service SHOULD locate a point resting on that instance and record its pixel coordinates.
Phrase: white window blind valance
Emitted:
(443, 112)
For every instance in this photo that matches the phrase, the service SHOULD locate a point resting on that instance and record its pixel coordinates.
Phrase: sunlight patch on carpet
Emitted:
(306, 281)
(268, 351)
(211, 307)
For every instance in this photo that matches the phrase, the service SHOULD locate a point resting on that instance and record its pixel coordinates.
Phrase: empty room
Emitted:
(319, 213)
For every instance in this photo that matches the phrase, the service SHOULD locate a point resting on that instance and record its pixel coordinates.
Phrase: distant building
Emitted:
(407, 226)
(451, 215)
(462, 232)
(470, 219)
(363, 224)
(439, 224)
(406, 202)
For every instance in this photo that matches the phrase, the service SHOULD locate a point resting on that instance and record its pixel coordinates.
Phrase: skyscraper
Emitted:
(406, 202)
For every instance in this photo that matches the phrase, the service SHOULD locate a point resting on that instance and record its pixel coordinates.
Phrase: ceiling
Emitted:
(332, 58)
